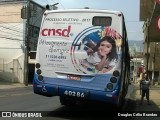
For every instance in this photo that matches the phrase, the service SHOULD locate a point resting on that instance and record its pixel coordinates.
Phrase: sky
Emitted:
(130, 9)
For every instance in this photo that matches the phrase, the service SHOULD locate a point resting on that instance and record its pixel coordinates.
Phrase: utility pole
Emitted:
(135, 56)
(26, 68)
(147, 45)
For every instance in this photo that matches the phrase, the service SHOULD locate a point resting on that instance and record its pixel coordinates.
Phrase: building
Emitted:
(11, 41)
(149, 13)
(13, 38)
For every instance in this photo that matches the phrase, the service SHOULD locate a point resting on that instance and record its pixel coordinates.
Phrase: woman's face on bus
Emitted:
(104, 48)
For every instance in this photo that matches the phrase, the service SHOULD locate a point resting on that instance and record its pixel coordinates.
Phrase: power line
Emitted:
(61, 4)
(10, 14)
(9, 38)
(11, 29)
(11, 25)
(13, 39)
(12, 33)
(37, 18)
(47, 1)
(15, 6)
(133, 21)
(132, 32)
(9, 48)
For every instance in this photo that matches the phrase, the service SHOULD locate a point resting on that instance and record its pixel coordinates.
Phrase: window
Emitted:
(101, 21)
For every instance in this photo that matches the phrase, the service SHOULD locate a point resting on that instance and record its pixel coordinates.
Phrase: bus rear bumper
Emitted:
(77, 93)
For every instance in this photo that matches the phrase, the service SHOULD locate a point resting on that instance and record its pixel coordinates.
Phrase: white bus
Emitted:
(82, 54)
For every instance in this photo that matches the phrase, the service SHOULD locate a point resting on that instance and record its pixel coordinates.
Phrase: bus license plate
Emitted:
(73, 77)
(74, 94)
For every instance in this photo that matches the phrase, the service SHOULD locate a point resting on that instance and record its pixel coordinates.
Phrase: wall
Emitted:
(12, 71)
(11, 42)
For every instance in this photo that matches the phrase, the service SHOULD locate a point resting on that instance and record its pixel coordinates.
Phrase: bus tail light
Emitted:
(109, 86)
(39, 71)
(116, 73)
(40, 77)
(113, 79)
(38, 65)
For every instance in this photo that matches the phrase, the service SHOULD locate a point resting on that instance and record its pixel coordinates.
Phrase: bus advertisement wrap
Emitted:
(78, 53)
(82, 54)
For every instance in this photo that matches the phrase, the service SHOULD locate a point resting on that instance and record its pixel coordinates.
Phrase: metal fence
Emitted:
(12, 70)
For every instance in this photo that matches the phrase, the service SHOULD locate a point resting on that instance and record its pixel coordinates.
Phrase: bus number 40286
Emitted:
(74, 94)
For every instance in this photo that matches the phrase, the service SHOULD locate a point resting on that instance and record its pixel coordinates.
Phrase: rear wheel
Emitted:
(67, 101)
(63, 100)
(120, 102)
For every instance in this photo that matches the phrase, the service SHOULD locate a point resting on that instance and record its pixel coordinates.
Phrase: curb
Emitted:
(7, 85)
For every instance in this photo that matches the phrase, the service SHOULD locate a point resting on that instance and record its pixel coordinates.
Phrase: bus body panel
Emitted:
(62, 54)
(79, 93)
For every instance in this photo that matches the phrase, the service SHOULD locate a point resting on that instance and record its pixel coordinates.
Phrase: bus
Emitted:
(82, 55)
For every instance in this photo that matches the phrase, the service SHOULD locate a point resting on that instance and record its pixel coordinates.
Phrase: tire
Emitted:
(120, 103)
(63, 100)
(67, 101)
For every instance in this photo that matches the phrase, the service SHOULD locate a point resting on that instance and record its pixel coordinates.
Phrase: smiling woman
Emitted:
(103, 53)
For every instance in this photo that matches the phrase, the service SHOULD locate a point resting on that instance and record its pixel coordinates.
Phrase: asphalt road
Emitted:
(24, 100)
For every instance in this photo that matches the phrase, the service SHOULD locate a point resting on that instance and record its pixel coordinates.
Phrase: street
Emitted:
(23, 99)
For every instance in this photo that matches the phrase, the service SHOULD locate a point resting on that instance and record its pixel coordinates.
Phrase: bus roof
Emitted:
(84, 10)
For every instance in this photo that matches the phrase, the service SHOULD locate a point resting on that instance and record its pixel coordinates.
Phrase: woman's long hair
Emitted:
(113, 54)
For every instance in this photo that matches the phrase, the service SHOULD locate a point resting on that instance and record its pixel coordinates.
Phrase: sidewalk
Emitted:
(10, 85)
(154, 99)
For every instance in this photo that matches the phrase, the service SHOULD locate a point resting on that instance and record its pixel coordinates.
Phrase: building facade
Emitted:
(13, 38)
(11, 41)
(149, 13)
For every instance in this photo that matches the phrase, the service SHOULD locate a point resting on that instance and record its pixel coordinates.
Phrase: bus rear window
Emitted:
(101, 21)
